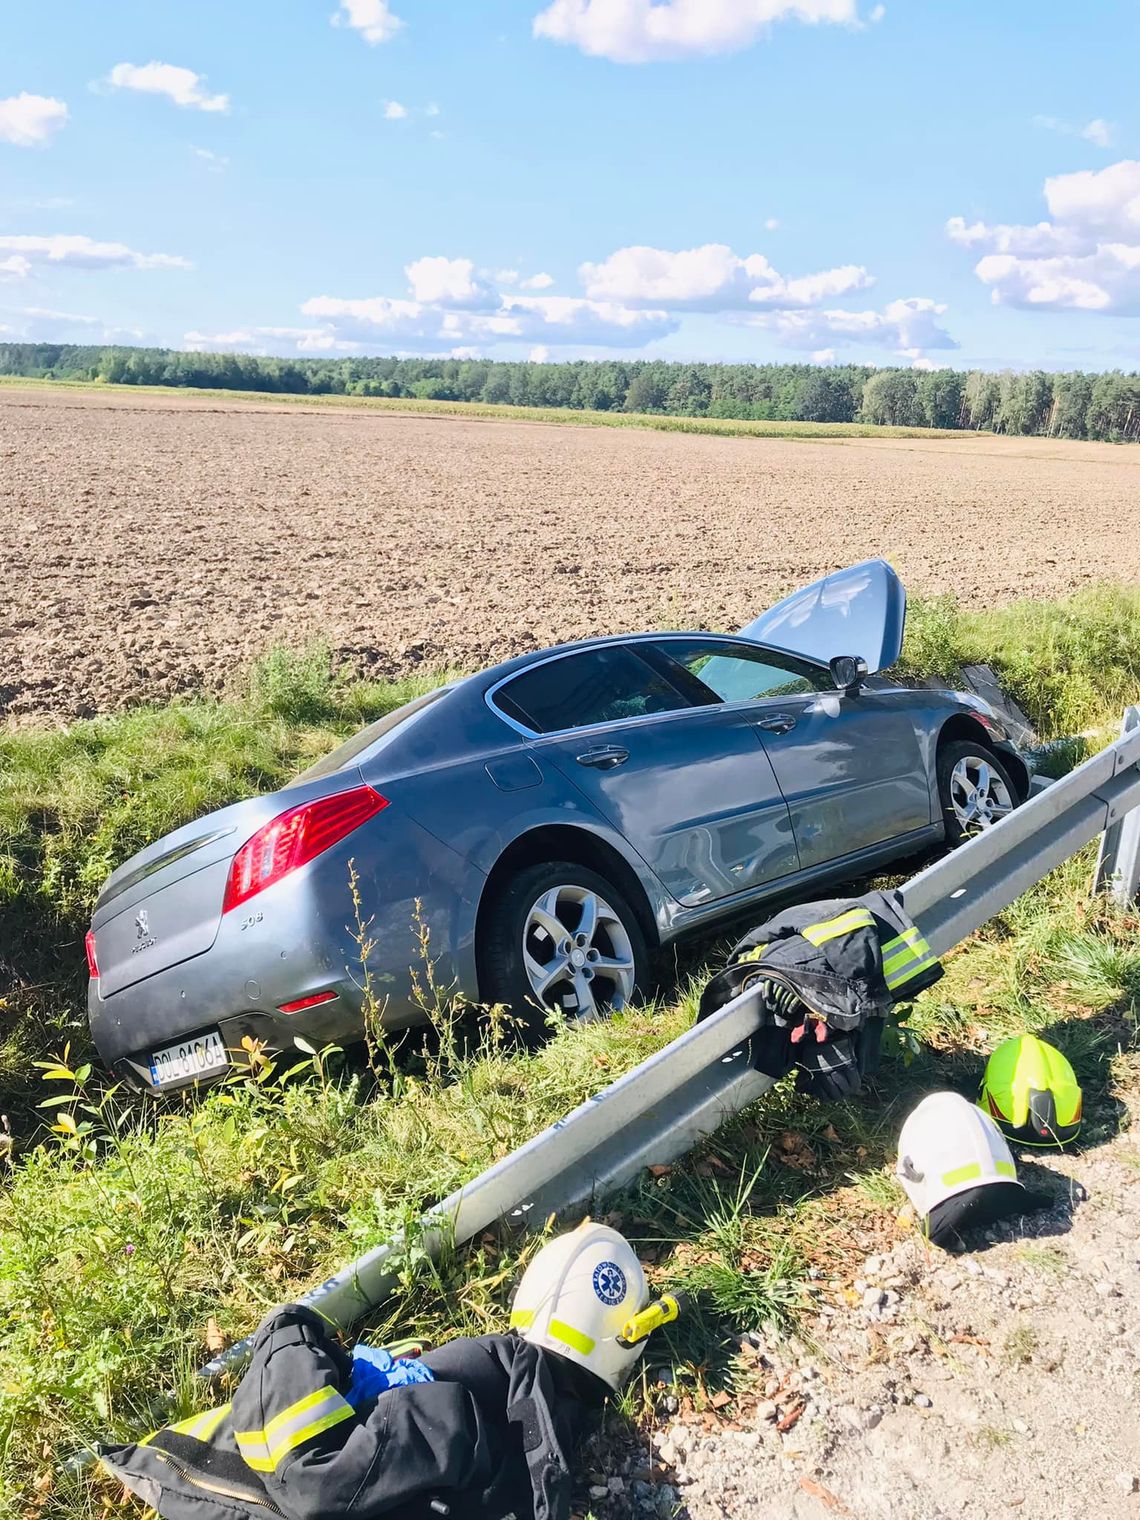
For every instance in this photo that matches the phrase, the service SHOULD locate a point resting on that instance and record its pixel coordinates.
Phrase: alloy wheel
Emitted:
(577, 953)
(978, 794)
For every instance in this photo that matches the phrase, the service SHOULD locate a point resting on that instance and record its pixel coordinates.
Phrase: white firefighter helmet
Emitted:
(950, 1150)
(576, 1296)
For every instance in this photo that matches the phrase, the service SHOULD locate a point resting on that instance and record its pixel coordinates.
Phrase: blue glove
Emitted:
(375, 1370)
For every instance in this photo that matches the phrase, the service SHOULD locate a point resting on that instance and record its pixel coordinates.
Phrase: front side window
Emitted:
(734, 673)
(601, 685)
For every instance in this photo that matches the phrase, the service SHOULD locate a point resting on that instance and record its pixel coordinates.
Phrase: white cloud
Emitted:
(877, 14)
(373, 19)
(31, 121)
(771, 224)
(86, 253)
(267, 340)
(631, 299)
(44, 324)
(448, 282)
(572, 319)
(215, 161)
(1099, 200)
(710, 278)
(1087, 258)
(539, 354)
(431, 109)
(906, 327)
(182, 86)
(1003, 237)
(421, 326)
(639, 31)
(15, 267)
(394, 111)
(1098, 131)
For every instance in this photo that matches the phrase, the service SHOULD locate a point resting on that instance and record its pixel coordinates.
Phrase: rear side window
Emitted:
(735, 673)
(597, 686)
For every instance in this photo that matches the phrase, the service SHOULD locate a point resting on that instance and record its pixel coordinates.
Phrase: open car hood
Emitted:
(859, 611)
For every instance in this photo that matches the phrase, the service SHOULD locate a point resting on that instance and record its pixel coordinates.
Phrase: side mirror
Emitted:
(848, 672)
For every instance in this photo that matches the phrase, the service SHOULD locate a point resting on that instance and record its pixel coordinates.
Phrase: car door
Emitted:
(681, 776)
(850, 766)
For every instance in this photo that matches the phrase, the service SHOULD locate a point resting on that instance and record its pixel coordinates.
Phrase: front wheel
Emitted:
(974, 787)
(561, 940)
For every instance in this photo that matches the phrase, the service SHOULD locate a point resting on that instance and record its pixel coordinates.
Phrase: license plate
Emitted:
(191, 1058)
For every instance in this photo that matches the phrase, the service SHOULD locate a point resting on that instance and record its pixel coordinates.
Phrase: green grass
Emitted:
(721, 427)
(125, 1229)
(119, 1241)
(1072, 665)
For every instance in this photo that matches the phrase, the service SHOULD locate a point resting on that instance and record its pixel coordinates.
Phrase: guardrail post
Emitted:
(1118, 863)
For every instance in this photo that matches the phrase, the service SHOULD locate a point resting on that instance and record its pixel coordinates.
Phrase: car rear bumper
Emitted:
(298, 939)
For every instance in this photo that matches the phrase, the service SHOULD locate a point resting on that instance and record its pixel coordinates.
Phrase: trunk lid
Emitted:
(164, 905)
(860, 610)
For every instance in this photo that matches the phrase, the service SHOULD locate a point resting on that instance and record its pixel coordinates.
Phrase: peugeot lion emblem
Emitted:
(142, 924)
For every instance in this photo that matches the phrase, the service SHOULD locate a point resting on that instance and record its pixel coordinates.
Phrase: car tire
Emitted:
(974, 789)
(569, 926)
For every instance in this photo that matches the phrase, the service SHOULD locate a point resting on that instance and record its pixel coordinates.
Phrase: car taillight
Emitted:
(294, 838)
(92, 963)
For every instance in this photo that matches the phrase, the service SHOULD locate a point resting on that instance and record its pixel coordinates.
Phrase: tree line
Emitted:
(1063, 405)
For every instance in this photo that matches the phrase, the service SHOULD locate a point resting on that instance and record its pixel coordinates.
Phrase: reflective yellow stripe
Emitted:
(854, 918)
(1005, 1169)
(907, 937)
(253, 1451)
(571, 1337)
(262, 1450)
(755, 954)
(909, 972)
(302, 1406)
(202, 1426)
(912, 950)
(291, 1442)
(967, 1173)
(522, 1319)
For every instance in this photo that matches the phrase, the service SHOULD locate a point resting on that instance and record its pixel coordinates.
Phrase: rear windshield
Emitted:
(353, 748)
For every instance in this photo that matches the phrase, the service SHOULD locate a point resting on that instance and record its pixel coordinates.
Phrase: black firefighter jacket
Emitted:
(491, 1436)
(845, 962)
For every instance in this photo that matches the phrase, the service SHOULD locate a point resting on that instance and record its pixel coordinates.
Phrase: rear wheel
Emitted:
(561, 940)
(975, 789)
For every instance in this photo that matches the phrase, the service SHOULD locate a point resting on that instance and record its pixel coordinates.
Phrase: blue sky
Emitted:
(926, 182)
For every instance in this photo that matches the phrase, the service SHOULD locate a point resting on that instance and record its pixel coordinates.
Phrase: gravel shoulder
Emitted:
(1001, 1381)
(158, 544)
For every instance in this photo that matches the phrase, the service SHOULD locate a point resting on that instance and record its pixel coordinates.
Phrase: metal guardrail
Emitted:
(660, 1110)
(1118, 864)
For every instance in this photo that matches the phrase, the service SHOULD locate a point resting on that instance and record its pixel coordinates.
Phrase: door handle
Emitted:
(605, 758)
(777, 723)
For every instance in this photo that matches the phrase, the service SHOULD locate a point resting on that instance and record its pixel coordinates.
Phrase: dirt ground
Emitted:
(157, 543)
(1003, 1381)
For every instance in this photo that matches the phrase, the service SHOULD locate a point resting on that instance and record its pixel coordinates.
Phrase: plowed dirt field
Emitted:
(152, 544)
